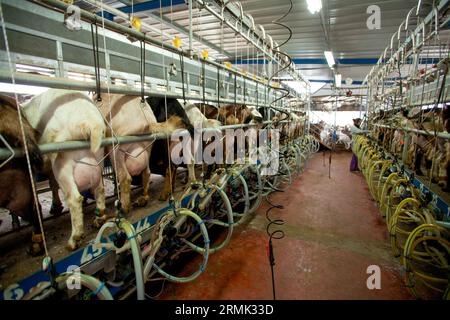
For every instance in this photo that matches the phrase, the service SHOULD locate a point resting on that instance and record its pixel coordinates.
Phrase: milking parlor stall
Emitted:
(192, 149)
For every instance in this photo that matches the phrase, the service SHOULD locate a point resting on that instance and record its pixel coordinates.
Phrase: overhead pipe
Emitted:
(125, 16)
(418, 7)
(78, 145)
(442, 5)
(443, 135)
(409, 15)
(249, 16)
(93, 18)
(70, 84)
(222, 18)
(392, 41)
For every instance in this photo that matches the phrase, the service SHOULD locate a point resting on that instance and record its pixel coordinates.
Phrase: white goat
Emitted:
(198, 120)
(63, 115)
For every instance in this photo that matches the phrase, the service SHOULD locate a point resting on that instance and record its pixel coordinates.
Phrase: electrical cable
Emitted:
(276, 234)
(142, 71)
(95, 51)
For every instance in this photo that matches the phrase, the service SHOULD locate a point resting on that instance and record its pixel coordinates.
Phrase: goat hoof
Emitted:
(37, 245)
(99, 221)
(79, 237)
(72, 246)
(36, 249)
(141, 201)
(56, 209)
(75, 243)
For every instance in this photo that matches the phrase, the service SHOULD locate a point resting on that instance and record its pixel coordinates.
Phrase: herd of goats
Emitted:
(425, 154)
(58, 116)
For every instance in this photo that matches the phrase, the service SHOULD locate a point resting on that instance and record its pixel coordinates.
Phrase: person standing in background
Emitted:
(355, 130)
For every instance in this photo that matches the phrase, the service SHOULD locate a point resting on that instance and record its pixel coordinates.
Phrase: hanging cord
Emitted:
(245, 90)
(142, 71)
(182, 77)
(235, 89)
(276, 234)
(204, 104)
(286, 91)
(203, 80)
(22, 130)
(257, 96)
(95, 51)
(109, 123)
(171, 182)
(218, 87)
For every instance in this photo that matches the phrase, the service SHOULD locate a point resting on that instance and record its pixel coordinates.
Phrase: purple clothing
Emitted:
(354, 163)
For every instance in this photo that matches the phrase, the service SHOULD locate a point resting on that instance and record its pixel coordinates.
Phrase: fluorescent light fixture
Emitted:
(338, 79)
(330, 58)
(314, 5)
(21, 89)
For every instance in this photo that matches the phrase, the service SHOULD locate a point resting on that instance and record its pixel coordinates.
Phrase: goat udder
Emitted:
(87, 174)
(137, 161)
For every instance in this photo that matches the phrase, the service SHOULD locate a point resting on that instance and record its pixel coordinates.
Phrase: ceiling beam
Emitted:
(345, 61)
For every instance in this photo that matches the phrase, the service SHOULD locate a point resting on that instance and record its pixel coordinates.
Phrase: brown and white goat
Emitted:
(128, 116)
(16, 193)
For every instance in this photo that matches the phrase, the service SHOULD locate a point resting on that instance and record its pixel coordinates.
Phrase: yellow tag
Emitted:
(68, 1)
(177, 42)
(254, 76)
(136, 23)
(244, 72)
(205, 54)
(228, 65)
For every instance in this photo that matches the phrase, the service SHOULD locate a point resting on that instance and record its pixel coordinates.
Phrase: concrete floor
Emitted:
(333, 233)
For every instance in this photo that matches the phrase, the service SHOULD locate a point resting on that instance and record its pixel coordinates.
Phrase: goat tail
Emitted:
(35, 154)
(96, 137)
(172, 124)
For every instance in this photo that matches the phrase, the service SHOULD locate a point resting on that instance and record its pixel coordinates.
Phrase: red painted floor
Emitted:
(333, 233)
